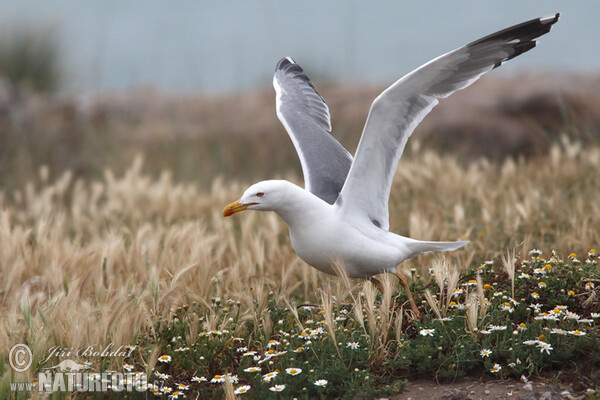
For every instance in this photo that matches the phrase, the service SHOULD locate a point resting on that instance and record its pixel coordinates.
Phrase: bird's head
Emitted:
(262, 196)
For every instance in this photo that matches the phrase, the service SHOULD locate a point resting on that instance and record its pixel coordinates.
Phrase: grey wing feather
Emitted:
(305, 116)
(400, 108)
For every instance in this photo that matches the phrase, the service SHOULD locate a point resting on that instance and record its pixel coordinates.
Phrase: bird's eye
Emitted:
(260, 194)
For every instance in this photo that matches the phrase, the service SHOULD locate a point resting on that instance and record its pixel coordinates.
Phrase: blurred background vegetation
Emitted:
(29, 59)
(198, 136)
(240, 138)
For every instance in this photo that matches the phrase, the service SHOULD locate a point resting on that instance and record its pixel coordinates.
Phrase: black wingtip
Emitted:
(521, 37)
(289, 66)
(283, 62)
(550, 19)
(523, 32)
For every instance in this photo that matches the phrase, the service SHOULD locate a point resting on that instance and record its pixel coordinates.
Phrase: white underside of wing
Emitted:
(367, 189)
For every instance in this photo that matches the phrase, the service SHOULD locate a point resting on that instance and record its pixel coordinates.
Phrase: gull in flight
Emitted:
(342, 213)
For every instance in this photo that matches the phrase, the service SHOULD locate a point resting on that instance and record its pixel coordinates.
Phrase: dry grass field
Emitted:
(93, 259)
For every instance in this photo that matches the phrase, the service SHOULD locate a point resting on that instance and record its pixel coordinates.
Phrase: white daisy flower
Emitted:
(242, 389)
(293, 371)
(321, 382)
(571, 315)
(535, 252)
(536, 306)
(577, 333)
(270, 375)
(162, 376)
(277, 388)
(497, 327)
(544, 347)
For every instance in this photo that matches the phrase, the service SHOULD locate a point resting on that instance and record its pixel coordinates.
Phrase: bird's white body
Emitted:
(322, 235)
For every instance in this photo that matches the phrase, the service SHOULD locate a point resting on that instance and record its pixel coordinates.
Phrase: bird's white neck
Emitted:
(299, 206)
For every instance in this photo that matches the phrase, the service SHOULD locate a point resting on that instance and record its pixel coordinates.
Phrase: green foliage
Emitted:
(29, 59)
(516, 336)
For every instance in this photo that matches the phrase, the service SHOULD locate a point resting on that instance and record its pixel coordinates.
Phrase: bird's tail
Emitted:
(417, 246)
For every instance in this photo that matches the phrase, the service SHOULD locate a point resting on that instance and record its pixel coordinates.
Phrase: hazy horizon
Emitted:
(205, 47)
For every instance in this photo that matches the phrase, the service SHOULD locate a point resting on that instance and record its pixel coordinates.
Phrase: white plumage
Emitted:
(342, 214)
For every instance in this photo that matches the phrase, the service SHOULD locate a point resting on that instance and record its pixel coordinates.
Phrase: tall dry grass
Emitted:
(98, 261)
(239, 135)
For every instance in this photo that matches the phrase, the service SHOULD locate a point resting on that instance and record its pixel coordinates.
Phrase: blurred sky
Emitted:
(193, 46)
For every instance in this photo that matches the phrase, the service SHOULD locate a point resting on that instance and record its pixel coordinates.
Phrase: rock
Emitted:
(528, 396)
(456, 394)
(578, 386)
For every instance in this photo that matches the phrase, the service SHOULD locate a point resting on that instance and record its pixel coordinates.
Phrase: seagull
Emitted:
(341, 216)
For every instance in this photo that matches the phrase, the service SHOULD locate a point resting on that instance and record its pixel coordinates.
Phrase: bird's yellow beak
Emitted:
(235, 207)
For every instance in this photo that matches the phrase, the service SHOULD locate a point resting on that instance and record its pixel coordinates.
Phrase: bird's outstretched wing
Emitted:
(305, 116)
(400, 108)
